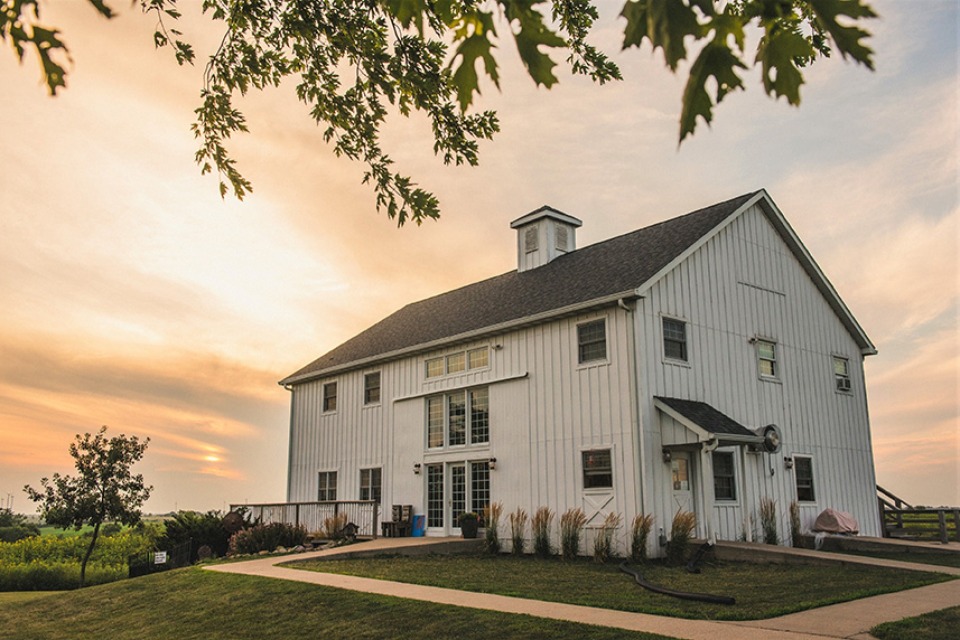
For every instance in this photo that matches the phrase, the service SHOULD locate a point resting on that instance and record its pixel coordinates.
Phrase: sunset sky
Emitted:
(133, 296)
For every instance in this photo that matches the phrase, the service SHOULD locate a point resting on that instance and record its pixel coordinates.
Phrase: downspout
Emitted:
(634, 381)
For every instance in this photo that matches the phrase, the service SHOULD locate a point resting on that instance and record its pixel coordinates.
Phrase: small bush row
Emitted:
(267, 537)
(39, 575)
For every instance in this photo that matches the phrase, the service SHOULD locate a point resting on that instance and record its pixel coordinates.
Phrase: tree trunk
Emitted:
(93, 542)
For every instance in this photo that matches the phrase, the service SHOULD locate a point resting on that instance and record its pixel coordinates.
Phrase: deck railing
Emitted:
(363, 513)
(901, 520)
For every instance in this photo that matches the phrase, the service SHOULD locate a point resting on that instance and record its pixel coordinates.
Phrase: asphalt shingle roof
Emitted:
(707, 417)
(603, 269)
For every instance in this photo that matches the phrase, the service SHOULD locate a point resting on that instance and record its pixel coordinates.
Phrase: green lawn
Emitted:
(17, 597)
(761, 591)
(938, 625)
(193, 604)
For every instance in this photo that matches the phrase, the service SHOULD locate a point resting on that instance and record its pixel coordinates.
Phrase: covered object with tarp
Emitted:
(833, 521)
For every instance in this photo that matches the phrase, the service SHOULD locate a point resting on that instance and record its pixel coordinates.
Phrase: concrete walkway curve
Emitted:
(845, 620)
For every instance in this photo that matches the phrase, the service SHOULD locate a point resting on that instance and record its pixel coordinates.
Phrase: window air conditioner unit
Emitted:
(843, 384)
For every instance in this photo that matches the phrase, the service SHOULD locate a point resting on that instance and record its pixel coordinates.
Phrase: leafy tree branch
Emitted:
(354, 60)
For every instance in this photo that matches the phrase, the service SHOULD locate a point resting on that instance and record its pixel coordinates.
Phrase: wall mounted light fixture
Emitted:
(492, 464)
(788, 463)
(416, 468)
(667, 456)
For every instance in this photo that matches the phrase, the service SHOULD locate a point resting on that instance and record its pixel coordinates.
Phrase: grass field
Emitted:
(938, 625)
(945, 559)
(761, 590)
(17, 597)
(192, 604)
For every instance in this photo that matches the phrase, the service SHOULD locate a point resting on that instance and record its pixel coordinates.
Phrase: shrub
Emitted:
(200, 529)
(12, 534)
(639, 533)
(768, 520)
(795, 524)
(491, 535)
(518, 523)
(603, 544)
(571, 527)
(540, 529)
(267, 537)
(681, 531)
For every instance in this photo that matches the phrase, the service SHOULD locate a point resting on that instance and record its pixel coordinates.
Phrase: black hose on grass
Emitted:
(683, 595)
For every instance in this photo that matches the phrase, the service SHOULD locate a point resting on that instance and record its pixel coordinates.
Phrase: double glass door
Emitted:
(454, 488)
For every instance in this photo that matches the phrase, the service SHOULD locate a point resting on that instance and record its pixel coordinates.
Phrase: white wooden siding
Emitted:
(742, 284)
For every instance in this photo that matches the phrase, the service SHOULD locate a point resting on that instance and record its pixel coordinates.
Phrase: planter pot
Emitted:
(469, 528)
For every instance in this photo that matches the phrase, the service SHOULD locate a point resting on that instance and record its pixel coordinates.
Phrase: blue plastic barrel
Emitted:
(419, 525)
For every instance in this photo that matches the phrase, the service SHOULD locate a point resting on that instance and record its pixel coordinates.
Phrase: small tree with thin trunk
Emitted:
(104, 489)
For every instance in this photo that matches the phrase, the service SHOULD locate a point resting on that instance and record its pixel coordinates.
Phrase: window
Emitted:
(330, 396)
(457, 362)
(767, 359)
(724, 479)
(434, 495)
(478, 358)
(480, 486)
(592, 341)
(841, 373)
(458, 418)
(370, 484)
(803, 472)
(597, 469)
(327, 486)
(371, 388)
(675, 339)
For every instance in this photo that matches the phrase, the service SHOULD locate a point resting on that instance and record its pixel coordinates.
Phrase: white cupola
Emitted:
(543, 235)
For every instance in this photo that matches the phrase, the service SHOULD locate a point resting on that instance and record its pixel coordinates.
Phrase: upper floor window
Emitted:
(767, 359)
(597, 469)
(330, 396)
(841, 373)
(371, 388)
(675, 339)
(327, 486)
(458, 418)
(457, 362)
(370, 484)
(724, 477)
(803, 474)
(592, 341)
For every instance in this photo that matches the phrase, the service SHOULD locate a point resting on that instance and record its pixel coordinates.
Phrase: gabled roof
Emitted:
(591, 276)
(708, 419)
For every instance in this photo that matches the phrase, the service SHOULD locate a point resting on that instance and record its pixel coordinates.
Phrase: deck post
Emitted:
(956, 524)
(942, 518)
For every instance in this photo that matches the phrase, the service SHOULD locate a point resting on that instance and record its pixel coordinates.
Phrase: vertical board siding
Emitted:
(748, 284)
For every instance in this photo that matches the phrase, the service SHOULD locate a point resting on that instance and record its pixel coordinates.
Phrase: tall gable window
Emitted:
(458, 418)
(458, 362)
(370, 484)
(675, 339)
(327, 486)
(371, 388)
(724, 478)
(841, 373)
(803, 473)
(767, 359)
(592, 341)
(330, 396)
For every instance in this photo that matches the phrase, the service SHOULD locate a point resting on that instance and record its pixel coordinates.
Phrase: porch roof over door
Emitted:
(706, 422)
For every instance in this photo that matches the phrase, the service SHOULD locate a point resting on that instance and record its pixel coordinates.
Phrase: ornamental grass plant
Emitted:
(681, 531)
(639, 534)
(795, 526)
(604, 542)
(518, 525)
(571, 528)
(540, 528)
(768, 520)
(491, 532)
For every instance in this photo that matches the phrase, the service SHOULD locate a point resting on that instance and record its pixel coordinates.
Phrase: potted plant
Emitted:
(469, 524)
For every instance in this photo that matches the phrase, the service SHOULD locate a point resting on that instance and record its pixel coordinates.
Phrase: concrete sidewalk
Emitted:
(846, 620)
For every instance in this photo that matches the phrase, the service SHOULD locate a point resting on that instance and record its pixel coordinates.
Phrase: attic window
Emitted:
(458, 362)
(592, 341)
(841, 373)
(561, 238)
(531, 240)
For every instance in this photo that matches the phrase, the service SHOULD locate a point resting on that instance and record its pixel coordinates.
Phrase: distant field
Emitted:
(48, 530)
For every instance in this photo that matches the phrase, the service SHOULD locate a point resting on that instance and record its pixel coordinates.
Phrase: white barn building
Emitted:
(636, 375)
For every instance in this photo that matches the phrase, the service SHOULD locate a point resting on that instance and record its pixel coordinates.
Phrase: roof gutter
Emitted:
(539, 318)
